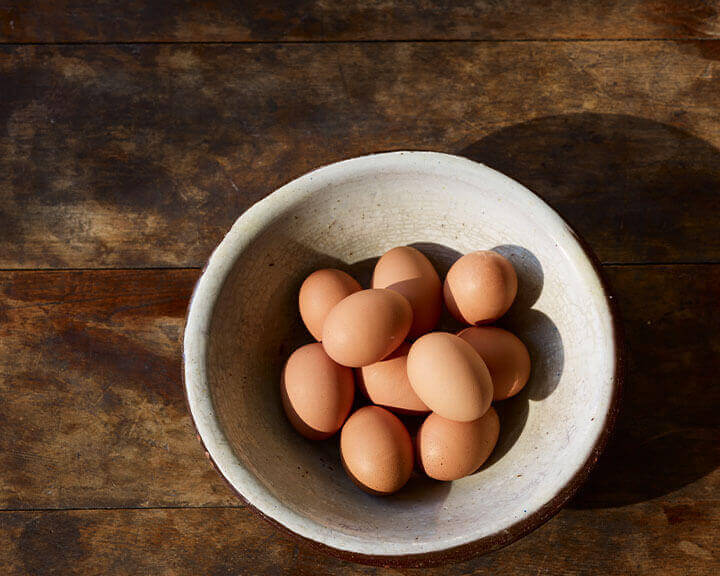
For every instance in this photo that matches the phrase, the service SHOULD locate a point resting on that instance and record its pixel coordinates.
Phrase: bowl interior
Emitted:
(244, 315)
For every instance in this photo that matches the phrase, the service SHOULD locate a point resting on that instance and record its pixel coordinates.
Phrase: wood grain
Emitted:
(649, 538)
(308, 20)
(93, 410)
(144, 155)
(158, 542)
(90, 393)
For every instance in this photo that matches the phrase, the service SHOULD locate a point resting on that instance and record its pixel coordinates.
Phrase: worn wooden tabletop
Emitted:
(132, 134)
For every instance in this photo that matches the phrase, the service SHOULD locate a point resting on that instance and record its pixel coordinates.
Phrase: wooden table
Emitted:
(133, 134)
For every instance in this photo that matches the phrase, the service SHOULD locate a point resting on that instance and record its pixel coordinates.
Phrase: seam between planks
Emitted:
(105, 269)
(110, 508)
(360, 41)
(179, 268)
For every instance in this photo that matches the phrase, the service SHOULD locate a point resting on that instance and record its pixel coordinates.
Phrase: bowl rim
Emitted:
(484, 544)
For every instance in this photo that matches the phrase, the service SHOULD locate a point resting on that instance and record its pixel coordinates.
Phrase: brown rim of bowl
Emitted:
(494, 541)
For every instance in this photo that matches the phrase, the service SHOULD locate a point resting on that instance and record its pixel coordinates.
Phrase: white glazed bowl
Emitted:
(243, 323)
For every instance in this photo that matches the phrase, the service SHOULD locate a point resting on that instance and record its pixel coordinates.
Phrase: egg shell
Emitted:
(317, 393)
(504, 354)
(376, 450)
(449, 376)
(408, 272)
(386, 383)
(319, 293)
(366, 327)
(449, 450)
(480, 287)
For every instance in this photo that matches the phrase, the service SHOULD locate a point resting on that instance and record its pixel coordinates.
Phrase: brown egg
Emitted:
(317, 393)
(319, 294)
(407, 271)
(376, 450)
(386, 383)
(480, 287)
(449, 376)
(505, 356)
(366, 326)
(449, 450)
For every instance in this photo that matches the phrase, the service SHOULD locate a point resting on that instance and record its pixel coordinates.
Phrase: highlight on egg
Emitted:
(480, 287)
(450, 450)
(450, 376)
(366, 327)
(319, 294)
(407, 271)
(386, 383)
(317, 393)
(505, 355)
(376, 450)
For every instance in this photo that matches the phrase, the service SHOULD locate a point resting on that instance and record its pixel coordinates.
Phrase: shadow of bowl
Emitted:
(643, 191)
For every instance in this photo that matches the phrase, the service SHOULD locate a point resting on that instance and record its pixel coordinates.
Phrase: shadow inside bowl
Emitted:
(543, 341)
(533, 327)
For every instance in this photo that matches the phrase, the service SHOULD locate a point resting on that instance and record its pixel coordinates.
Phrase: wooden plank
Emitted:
(138, 156)
(94, 415)
(312, 20)
(650, 538)
(92, 405)
(158, 542)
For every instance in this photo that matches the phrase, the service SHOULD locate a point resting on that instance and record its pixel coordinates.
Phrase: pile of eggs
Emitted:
(381, 340)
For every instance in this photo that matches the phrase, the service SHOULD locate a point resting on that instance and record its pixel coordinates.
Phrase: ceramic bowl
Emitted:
(243, 323)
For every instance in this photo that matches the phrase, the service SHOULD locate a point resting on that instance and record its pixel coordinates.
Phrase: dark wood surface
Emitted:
(103, 473)
(123, 164)
(317, 21)
(138, 156)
